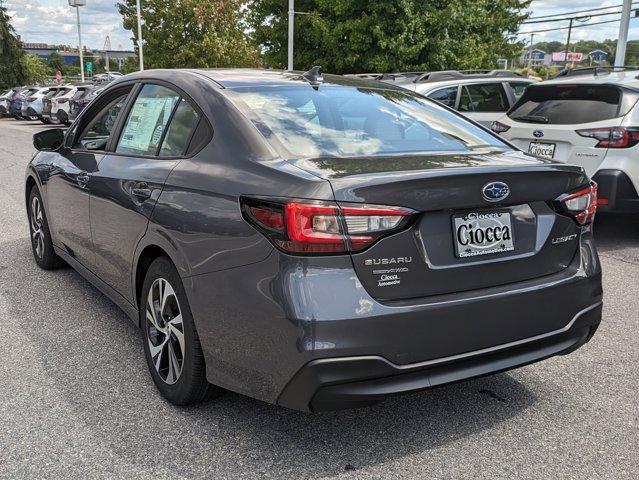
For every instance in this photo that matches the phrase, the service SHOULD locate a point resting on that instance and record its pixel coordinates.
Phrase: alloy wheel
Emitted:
(165, 331)
(37, 221)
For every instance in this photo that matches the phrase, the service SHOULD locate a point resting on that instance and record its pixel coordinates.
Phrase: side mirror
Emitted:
(51, 139)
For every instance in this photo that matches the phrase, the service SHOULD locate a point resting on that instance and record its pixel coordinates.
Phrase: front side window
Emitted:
(484, 97)
(346, 121)
(447, 96)
(96, 135)
(144, 128)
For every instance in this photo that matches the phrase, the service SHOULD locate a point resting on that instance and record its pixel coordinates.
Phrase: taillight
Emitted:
(31, 99)
(581, 205)
(62, 100)
(307, 227)
(499, 127)
(613, 137)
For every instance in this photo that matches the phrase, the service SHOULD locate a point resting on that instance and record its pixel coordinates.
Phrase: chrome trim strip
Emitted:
(474, 353)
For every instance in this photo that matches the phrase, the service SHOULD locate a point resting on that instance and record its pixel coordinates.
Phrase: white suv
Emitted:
(590, 120)
(482, 95)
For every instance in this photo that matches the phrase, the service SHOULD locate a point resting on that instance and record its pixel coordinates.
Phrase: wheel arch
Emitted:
(151, 247)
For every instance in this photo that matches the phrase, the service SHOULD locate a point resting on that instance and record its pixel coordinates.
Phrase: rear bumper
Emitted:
(616, 187)
(349, 382)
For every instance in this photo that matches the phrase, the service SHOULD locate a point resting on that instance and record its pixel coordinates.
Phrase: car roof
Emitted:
(467, 81)
(627, 78)
(245, 77)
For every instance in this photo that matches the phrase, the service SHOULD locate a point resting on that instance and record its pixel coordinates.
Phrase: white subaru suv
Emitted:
(590, 120)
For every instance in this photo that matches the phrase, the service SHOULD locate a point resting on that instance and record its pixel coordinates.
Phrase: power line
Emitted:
(565, 19)
(575, 12)
(574, 26)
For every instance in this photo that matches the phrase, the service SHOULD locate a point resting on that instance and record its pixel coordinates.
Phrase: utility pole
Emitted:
(620, 55)
(77, 4)
(530, 49)
(140, 52)
(568, 41)
(291, 31)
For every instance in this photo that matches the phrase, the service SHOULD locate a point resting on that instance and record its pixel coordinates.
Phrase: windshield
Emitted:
(347, 121)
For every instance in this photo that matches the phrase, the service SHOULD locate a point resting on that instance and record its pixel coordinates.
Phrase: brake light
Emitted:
(582, 204)
(613, 137)
(31, 99)
(62, 100)
(499, 127)
(305, 227)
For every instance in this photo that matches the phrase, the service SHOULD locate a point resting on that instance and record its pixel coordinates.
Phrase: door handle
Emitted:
(82, 179)
(141, 190)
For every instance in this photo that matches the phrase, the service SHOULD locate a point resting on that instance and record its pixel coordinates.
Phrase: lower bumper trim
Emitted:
(349, 382)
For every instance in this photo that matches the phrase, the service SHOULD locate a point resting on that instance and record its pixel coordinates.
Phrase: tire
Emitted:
(40, 235)
(177, 367)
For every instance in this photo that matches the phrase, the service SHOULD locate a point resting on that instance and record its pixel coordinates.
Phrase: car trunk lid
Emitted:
(446, 192)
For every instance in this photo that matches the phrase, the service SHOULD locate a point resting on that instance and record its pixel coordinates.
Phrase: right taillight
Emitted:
(582, 204)
(612, 137)
(310, 227)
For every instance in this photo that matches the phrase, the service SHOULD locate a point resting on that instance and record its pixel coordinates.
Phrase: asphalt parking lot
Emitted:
(77, 401)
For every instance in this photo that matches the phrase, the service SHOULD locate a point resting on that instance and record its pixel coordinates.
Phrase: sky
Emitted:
(54, 22)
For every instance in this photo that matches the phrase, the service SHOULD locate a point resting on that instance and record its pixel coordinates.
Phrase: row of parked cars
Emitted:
(584, 116)
(58, 104)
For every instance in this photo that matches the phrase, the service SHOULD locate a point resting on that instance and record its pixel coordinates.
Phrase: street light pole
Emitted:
(291, 31)
(620, 55)
(77, 4)
(140, 49)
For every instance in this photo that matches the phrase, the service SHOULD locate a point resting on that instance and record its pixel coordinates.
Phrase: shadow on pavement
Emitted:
(94, 354)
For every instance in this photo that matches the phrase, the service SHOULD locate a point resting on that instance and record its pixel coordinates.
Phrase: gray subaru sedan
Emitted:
(314, 241)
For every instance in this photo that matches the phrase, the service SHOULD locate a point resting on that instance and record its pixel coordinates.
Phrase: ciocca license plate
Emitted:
(482, 233)
(544, 150)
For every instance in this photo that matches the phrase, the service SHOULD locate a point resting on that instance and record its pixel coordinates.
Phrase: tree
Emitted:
(55, 63)
(35, 69)
(11, 53)
(191, 33)
(350, 36)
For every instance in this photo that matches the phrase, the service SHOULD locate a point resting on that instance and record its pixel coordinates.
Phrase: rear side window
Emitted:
(485, 97)
(567, 104)
(518, 89)
(147, 121)
(180, 130)
(447, 96)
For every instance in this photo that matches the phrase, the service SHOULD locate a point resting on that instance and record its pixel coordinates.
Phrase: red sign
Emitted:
(58, 77)
(572, 56)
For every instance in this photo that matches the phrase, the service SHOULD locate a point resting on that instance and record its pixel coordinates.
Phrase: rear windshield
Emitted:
(81, 93)
(568, 104)
(346, 121)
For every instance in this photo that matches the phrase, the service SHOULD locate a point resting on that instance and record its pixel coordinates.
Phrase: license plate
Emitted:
(482, 233)
(544, 150)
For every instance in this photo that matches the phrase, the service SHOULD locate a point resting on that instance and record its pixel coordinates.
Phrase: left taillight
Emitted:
(499, 127)
(581, 205)
(315, 228)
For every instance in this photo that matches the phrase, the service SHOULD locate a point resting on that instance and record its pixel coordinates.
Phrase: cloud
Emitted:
(54, 22)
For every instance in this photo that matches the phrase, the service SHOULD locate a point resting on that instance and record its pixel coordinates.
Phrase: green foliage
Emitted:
(55, 63)
(11, 67)
(350, 36)
(191, 33)
(130, 65)
(35, 69)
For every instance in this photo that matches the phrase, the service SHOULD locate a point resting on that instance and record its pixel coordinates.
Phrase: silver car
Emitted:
(32, 103)
(481, 95)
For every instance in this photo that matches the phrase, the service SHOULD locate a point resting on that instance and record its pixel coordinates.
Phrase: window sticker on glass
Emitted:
(146, 123)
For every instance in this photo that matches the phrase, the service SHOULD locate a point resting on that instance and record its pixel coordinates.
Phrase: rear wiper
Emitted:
(486, 145)
(532, 118)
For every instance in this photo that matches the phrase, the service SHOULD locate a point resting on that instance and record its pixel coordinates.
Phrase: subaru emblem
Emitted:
(495, 191)
(538, 134)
